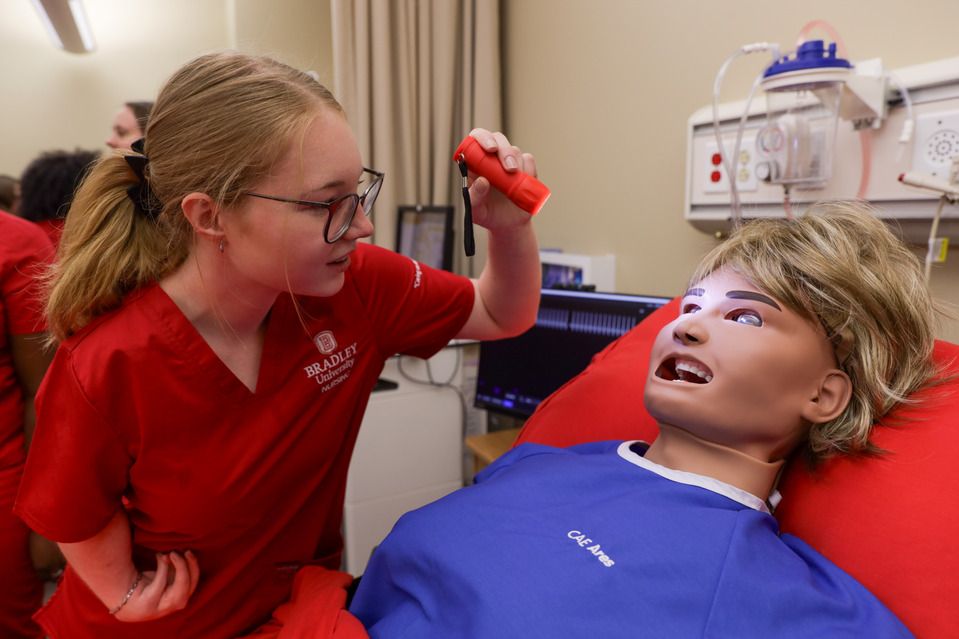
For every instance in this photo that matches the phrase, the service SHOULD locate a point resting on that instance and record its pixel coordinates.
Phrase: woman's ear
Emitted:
(831, 400)
(203, 215)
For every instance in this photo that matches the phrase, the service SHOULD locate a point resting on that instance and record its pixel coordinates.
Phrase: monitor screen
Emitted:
(516, 374)
(425, 233)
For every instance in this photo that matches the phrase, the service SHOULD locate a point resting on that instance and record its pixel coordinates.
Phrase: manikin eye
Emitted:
(690, 308)
(749, 318)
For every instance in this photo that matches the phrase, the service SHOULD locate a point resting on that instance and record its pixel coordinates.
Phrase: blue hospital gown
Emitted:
(593, 541)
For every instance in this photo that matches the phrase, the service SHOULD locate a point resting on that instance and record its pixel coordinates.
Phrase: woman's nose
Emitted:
(360, 226)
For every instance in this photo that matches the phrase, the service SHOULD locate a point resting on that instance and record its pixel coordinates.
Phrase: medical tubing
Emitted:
(933, 230)
(430, 381)
(729, 163)
(909, 126)
(717, 83)
(737, 213)
(865, 145)
(787, 203)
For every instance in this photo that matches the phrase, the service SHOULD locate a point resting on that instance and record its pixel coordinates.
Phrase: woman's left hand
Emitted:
(491, 209)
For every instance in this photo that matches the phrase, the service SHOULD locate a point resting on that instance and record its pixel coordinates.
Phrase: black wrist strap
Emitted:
(469, 241)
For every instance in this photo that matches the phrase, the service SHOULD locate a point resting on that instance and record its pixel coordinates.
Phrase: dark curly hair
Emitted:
(49, 182)
(8, 192)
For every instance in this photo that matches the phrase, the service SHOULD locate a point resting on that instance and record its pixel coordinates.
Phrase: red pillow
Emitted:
(886, 520)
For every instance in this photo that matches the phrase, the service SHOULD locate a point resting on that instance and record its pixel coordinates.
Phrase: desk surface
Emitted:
(488, 447)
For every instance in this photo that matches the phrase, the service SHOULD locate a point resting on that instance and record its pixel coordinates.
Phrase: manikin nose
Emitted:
(689, 332)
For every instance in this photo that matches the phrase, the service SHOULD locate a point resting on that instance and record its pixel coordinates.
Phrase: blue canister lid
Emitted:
(810, 55)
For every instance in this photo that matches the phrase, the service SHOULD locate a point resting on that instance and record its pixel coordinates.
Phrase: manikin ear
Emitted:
(831, 400)
(203, 215)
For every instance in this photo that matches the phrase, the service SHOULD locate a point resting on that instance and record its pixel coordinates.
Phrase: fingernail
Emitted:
(510, 162)
(489, 144)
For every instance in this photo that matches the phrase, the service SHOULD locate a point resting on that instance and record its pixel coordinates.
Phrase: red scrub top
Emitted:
(137, 407)
(24, 252)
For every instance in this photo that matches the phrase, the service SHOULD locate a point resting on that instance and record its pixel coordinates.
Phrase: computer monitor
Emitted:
(425, 233)
(516, 374)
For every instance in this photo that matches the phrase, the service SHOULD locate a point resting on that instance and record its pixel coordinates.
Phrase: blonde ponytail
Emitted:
(108, 249)
(218, 125)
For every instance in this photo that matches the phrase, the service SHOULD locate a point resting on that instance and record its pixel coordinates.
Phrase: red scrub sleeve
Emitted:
(316, 609)
(77, 468)
(25, 253)
(414, 309)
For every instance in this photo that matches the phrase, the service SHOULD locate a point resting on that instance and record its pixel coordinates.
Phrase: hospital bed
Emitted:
(890, 521)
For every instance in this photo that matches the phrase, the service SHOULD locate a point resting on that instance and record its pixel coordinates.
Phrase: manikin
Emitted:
(793, 337)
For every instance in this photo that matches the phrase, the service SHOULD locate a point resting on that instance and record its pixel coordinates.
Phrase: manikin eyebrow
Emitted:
(738, 295)
(752, 295)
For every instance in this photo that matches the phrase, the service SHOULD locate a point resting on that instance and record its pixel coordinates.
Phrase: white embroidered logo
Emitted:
(335, 368)
(418, 278)
(584, 542)
(325, 342)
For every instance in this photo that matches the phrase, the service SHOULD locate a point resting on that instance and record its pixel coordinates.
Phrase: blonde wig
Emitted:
(841, 267)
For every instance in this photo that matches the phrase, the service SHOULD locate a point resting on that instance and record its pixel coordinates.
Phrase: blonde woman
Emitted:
(221, 329)
(792, 335)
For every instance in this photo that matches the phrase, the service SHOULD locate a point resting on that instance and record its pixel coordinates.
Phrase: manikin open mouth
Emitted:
(684, 369)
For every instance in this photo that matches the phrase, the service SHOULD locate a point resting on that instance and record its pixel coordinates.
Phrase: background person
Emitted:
(129, 124)
(47, 187)
(24, 252)
(9, 194)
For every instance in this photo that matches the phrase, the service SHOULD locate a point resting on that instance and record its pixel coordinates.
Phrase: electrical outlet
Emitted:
(745, 167)
(936, 143)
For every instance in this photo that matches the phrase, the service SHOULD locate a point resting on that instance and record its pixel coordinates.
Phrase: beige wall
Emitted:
(600, 91)
(54, 100)
(294, 31)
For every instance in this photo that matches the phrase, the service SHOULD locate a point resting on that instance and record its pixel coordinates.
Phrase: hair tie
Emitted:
(143, 198)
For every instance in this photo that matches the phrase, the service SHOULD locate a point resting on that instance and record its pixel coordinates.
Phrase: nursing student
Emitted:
(221, 328)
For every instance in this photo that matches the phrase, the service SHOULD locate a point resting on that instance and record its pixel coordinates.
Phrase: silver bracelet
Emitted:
(126, 597)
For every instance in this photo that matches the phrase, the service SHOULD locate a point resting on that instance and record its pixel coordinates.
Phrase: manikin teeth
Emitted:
(689, 367)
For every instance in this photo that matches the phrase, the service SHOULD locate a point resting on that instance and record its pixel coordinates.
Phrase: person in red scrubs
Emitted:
(47, 187)
(221, 328)
(24, 252)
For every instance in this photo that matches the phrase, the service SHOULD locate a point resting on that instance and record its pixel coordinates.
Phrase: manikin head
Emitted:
(794, 333)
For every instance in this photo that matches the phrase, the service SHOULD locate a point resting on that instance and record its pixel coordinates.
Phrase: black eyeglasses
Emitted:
(341, 210)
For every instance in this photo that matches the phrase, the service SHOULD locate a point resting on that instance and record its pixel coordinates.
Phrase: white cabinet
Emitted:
(408, 453)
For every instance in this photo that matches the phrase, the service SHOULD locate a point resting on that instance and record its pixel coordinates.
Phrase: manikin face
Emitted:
(279, 246)
(738, 368)
(125, 130)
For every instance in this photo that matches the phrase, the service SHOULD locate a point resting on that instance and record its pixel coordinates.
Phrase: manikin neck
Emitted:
(681, 450)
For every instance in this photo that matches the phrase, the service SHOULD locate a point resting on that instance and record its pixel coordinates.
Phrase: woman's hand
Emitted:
(164, 590)
(491, 209)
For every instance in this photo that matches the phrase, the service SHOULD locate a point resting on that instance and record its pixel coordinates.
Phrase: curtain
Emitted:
(414, 76)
